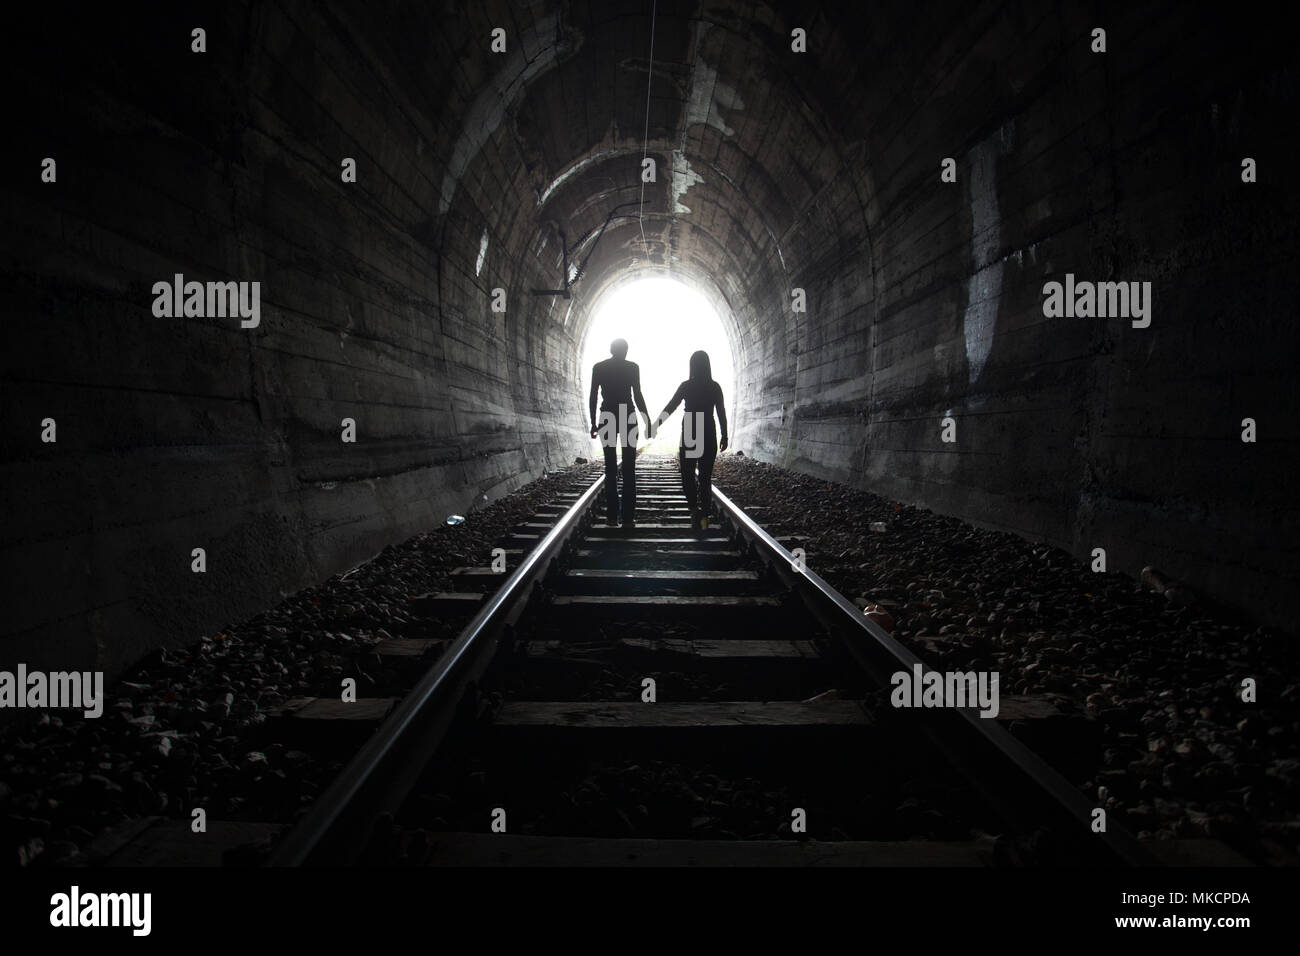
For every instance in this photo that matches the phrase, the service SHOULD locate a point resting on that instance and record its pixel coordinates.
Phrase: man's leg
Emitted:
(629, 482)
(611, 483)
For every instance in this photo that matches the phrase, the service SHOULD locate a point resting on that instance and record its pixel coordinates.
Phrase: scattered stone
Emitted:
(876, 613)
(833, 694)
(1154, 580)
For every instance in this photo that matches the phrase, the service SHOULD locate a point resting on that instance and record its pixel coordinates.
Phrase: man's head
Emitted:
(618, 348)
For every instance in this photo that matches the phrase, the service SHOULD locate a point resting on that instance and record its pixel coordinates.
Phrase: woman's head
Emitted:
(700, 371)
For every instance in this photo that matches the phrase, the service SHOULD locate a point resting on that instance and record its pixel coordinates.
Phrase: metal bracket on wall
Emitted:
(564, 273)
(565, 281)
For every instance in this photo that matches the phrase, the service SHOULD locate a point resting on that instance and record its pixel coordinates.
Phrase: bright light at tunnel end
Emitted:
(664, 321)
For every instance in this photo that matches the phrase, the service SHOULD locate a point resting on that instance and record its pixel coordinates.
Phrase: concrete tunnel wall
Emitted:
(777, 171)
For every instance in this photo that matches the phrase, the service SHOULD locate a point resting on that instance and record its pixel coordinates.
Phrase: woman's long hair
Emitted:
(700, 370)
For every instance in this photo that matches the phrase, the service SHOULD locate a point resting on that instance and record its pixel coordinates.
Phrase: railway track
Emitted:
(667, 696)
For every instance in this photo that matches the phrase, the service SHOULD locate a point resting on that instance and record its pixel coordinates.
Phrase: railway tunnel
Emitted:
(424, 206)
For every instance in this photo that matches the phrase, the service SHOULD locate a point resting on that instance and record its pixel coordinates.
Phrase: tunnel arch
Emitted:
(818, 171)
(751, 201)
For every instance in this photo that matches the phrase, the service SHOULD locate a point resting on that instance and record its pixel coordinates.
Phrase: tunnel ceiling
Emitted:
(737, 125)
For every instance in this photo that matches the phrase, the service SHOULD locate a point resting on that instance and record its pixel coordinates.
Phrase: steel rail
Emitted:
(390, 737)
(1067, 797)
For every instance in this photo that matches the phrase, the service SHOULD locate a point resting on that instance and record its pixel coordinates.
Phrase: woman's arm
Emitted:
(671, 407)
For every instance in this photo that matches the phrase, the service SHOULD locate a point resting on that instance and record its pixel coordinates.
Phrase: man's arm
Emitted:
(595, 388)
(722, 420)
(640, 399)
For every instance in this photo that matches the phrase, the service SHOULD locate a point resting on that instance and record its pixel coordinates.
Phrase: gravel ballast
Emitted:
(185, 728)
(1185, 756)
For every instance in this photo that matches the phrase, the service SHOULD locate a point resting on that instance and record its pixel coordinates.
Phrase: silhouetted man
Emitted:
(619, 382)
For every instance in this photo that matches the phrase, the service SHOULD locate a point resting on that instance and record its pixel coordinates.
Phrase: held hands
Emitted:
(650, 427)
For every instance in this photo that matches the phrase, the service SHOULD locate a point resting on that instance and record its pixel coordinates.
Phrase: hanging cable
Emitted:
(646, 145)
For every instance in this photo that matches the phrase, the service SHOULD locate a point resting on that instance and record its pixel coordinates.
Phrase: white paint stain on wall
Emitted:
(683, 178)
(482, 254)
(706, 91)
(984, 288)
(706, 94)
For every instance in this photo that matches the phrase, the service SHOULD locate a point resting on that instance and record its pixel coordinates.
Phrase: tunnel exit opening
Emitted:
(664, 321)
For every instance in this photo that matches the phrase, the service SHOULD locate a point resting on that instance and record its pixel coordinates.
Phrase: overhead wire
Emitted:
(645, 148)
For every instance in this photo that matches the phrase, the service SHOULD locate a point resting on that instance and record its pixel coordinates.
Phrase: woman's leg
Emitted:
(688, 480)
(706, 476)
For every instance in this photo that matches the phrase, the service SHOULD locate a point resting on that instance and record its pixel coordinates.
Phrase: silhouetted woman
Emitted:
(700, 446)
